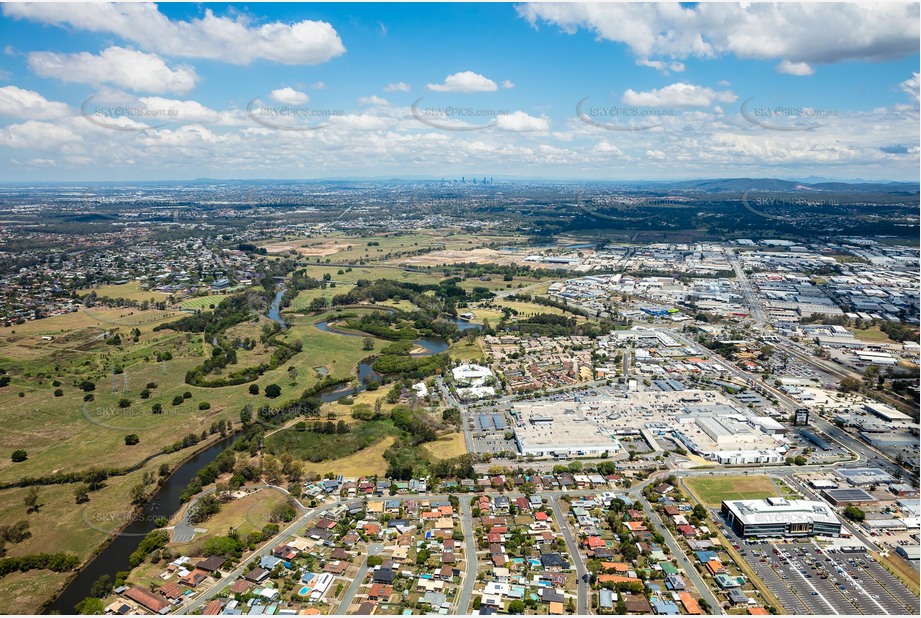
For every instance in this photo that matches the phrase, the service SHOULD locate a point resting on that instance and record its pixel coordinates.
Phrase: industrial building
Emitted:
(887, 413)
(778, 517)
(866, 476)
(848, 497)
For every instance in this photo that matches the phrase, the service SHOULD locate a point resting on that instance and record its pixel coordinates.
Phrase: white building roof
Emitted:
(773, 510)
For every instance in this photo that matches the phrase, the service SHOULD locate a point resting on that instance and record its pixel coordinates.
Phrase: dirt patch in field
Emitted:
(478, 256)
(321, 249)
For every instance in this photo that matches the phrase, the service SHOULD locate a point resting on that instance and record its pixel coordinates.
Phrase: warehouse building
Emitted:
(887, 413)
(848, 497)
(865, 476)
(778, 517)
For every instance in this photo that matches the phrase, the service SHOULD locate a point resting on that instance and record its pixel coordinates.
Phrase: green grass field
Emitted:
(312, 446)
(202, 302)
(130, 291)
(712, 491)
(872, 335)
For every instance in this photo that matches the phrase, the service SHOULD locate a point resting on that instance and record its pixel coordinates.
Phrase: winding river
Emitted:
(275, 308)
(114, 557)
(366, 373)
(165, 502)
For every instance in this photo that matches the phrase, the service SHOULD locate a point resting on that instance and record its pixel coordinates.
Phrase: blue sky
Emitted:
(176, 91)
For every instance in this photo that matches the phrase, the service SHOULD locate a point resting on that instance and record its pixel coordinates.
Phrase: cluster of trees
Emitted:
(13, 533)
(550, 302)
(854, 514)
(414, 424)
(251, 248)
(93, 477)
(548, 325)
(59, 562)
(223, 463)
(189, 440)
(154, 540)
(229, 312)
(412, 367)
(225, 355)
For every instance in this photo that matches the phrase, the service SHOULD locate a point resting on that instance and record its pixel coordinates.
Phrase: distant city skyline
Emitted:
(557, 92)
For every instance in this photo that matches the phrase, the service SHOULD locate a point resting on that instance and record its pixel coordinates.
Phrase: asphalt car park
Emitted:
(807, 579)
(788, 596)
(824, 596)
(883, 587)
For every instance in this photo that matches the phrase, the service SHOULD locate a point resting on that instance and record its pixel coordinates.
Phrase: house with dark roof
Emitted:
(553, 562)
(737, 597)
(383, 576)
(636, 604)
(675, 582)
(211, 564)
(257, 575)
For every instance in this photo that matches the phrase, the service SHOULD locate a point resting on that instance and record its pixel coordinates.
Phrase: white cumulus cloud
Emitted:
(37, 134)
(235, 40)
(465, 81)
(373, 100)
(397, 87)
(289, 96)
(665, 68)
(798, 32)
(794, 68)
(520, 121)
(19, 103)
(911, 86)
(122, 67)
(679, 95)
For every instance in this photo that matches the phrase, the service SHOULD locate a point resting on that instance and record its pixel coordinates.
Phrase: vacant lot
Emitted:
(467, 351)
(455, 256)
(446, 447)
(712, 491)
(872, 335)
(317, 447)
(23, 593)
(365, 462)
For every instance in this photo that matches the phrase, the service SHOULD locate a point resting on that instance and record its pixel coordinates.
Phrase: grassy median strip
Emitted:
(901, 570)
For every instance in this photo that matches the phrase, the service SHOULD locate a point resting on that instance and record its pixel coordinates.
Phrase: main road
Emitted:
(581, 571)
(470, 546)
(679, 554)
